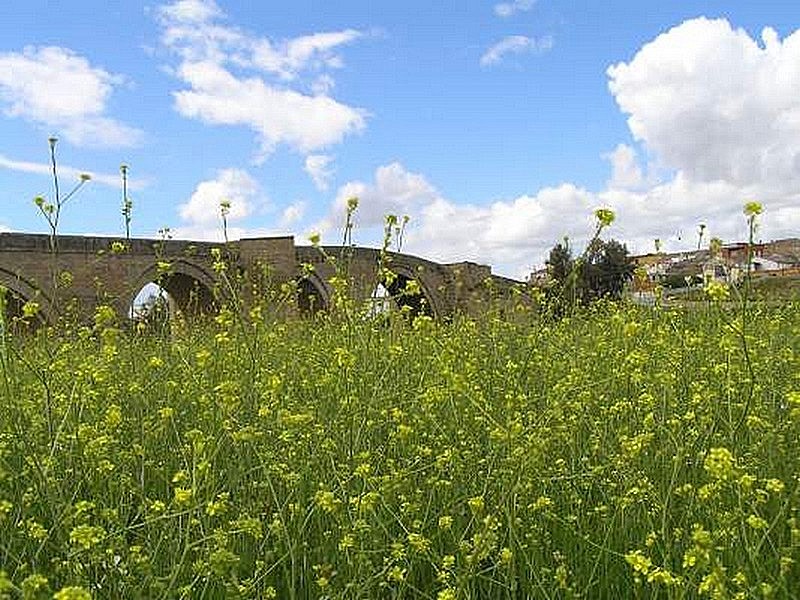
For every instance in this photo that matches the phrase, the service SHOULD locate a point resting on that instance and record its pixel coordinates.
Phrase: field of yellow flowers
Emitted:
(622, 452)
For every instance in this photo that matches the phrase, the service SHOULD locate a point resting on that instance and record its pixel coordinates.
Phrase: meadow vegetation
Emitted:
(534, 451)
(617, 452)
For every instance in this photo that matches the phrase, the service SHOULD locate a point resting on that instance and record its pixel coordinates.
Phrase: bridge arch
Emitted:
(421, 303)
(313, 295)
(19, 291)
(190, 288)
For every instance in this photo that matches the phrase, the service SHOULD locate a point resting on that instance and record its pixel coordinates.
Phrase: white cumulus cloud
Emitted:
(507, 9)
(318, 168)
(280, 90)
(720, 111)
(510, 235)
(395, 191)
(60, 90)
(191, 11)
(626, 172)
(515, 44)
(289, 58)
(713, 102)
(714, 111)
(292, 214)
(234, 185)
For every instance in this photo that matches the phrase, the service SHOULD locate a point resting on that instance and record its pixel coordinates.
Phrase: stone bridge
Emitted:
(93, 270)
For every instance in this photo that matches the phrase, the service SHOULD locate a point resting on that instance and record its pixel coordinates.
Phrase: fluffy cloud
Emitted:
(293, 56)
(279, 90)
(511, 235)
(292, 214)
(201, 212)
(515, 235)
(720, 111)
(515, 44)
(318, 168)
(234, 185)
(507, 9)
(59, 90)
(395, 191)
(714, 103)
(191, 11)
(626, 172)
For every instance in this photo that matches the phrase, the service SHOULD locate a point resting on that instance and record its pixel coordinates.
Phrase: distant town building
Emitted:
(729, 264)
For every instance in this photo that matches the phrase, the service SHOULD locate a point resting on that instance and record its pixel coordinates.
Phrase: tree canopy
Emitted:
(601, 272)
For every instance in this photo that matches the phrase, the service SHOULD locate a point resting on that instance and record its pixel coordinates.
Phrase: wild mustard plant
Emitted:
(485, 457)
(224, 211)
(51, 211)
(3, 326)
(127, 203)
(572, 286)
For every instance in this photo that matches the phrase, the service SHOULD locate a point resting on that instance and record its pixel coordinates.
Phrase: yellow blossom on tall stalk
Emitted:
(752, 208)
(605, 216)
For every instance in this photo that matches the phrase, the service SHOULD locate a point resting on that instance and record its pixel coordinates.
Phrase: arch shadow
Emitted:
(409, 291)
(313, 295)
(19, 291)
(190, 287)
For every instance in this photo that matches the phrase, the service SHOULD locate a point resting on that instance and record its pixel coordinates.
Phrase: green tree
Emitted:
(561, 274)
(560, 262)
(605, 271)
(601, 272)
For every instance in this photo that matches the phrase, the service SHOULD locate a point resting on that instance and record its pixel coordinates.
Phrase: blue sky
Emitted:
(498, 127)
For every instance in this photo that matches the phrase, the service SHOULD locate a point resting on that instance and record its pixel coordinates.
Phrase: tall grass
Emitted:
(599, 456)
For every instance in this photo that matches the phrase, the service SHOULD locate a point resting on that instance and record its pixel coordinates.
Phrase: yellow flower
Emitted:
(752, 208)
(30, 309)
(396, 574)
(775, 486)
(86, 536)
(638, 561)
(604, 216)
(719, 463)
(183, 496)
(419, 542)
(73, 593)
(717, 291)
(476, 505)
(757, 522)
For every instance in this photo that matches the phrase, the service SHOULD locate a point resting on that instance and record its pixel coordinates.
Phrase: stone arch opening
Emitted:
(404, 292)
(311, 297)
(380, 302)
(184, 289)
(152, 307)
